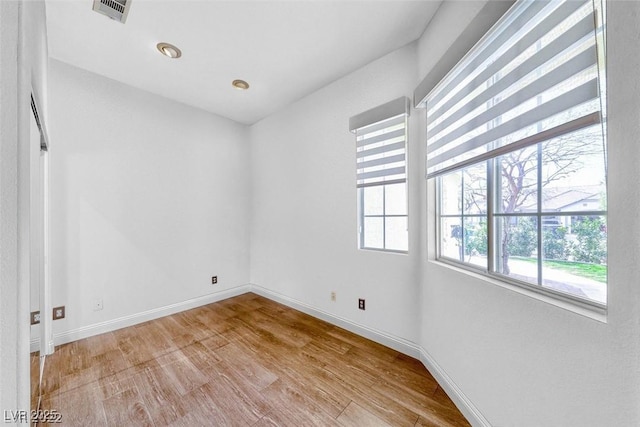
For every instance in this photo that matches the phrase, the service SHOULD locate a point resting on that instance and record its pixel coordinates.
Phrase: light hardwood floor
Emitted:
(245, 361)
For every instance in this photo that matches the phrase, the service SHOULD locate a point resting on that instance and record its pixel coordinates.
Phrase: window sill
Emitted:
(388, 251)
(582, 309)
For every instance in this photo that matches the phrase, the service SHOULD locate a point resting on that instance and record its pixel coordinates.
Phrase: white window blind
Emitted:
(381, 144)
(534, 76)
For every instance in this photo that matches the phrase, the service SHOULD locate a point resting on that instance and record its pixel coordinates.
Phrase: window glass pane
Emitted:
(395, 199)
(475, 189)
(519, 180)
(396, 233)
(575, 256)
(372, 200)
(475, 241)
(451, 238)
(517, 244)
(451, 194)
(373, 233)
(573, 172)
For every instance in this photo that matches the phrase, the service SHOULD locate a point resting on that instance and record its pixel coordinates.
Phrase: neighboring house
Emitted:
(568, 200)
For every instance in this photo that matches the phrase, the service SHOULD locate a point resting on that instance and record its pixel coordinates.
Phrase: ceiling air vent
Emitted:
(114, 9)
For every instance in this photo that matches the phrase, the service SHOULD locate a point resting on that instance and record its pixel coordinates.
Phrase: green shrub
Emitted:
(522, 238)
(591, 240)
(554, 244)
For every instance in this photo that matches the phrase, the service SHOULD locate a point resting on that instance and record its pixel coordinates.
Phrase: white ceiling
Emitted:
(284, 49)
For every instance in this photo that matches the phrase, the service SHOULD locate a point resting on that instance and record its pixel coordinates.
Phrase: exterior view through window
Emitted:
(516, 142)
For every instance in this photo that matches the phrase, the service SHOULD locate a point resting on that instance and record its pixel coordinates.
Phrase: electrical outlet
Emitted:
(214, 280)
(333, 296)
(361, 304)
(58, 312)
(97, 304)
(35, 317)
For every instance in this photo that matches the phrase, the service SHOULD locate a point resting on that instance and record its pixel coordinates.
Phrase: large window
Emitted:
(381, 148)
(516, 143)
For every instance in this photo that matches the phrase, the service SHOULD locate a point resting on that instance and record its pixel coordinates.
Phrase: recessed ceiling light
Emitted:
(240, 84)
(169, 50)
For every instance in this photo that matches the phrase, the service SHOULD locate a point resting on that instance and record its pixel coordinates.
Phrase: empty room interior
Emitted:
(419, 213)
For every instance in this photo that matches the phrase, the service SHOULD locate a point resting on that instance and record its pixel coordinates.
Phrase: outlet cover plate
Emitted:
(58, 312)
(35, 317)
(361, 304)
(214, 280)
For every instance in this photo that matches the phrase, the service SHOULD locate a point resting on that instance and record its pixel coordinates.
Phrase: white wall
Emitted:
(149, 199)
(23, 57)
(445, 27)
(14, 377)
(304, 219)
(525, 362)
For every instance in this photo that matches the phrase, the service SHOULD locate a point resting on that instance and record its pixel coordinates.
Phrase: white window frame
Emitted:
(490, 218)
(362, 216)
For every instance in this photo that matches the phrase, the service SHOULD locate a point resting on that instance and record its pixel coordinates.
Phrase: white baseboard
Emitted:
(134, 319)
(399, 344)
(464, 404)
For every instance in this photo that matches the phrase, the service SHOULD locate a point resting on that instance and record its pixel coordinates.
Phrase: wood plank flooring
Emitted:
(34, 366)
(245, 361)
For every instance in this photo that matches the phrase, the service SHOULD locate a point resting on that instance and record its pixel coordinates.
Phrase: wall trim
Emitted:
(397, 343)
(134, 319)
(462, 402)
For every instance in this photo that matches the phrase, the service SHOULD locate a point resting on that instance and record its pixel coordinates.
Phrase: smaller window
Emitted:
(383, 217)
(381, 148)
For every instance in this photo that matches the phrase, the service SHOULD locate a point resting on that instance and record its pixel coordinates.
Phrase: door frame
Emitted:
(42, 231)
